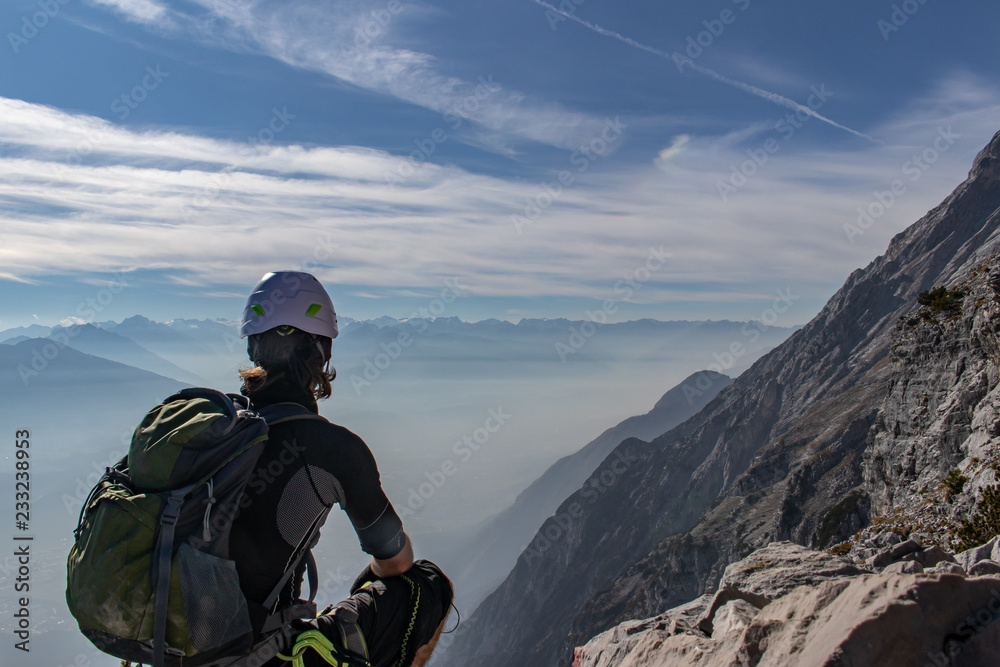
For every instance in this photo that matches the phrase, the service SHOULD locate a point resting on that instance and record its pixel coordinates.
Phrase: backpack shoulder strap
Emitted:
(304, 550)
(279, 619)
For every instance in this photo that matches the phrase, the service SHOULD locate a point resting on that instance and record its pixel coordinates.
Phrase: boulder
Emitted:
(930, 556)
(725, 595)
(780, 567)
(881, 619)
(894, 553)
(733, 618)
(945, 568)
(636, 638)
(887, 539)
(904, 567)
(988, 551)
(985, 568)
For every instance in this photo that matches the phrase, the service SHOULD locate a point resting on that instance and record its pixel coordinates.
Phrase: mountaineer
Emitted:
(397, 607)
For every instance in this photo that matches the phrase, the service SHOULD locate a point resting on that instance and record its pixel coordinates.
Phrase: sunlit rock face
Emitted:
(856, 419)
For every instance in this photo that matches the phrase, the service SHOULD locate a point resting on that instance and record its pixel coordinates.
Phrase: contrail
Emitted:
(745, 87)
(776, 98)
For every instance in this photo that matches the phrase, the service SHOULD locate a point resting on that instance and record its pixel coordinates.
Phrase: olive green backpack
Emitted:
(150, 577)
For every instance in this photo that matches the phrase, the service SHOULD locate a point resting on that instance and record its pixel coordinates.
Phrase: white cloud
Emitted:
(210, 214)
(13, 277)
(138, 11)
(671, 151)
(324, 37)
(763, 72)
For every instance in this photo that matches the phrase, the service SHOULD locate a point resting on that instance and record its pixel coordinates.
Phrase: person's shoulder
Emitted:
(341, 431)
(337, 445)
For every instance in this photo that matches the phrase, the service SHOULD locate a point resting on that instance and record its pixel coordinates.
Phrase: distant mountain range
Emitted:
(210, 351)
(44, 369)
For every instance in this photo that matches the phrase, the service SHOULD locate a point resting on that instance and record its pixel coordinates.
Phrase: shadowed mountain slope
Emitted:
(486, 559)
(773, 457)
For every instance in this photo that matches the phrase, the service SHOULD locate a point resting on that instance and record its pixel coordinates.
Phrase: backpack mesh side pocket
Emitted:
(216, 610)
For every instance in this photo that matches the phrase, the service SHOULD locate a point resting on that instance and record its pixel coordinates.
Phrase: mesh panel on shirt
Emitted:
(299, 506)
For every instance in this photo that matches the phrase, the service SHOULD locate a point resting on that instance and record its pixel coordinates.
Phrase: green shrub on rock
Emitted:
(941, 300)
(984, 524)
(953, 483)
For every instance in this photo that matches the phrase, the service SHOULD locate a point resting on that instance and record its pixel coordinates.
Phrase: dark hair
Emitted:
(288, 353)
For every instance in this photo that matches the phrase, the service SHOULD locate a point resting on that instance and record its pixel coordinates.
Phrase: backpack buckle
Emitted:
(173, 509)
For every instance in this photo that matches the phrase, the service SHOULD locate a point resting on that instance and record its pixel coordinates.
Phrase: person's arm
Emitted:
(379, 528)
(396, 565)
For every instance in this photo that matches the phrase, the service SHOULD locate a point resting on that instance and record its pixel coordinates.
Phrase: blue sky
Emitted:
(159, 156)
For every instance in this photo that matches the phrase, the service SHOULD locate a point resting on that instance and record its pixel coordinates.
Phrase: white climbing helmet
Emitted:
(289, 298)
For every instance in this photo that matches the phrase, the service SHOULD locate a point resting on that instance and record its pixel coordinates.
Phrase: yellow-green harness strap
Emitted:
(313, 639)
(350, 637)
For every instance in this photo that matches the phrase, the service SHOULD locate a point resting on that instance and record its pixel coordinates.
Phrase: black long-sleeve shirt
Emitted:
(307, 465)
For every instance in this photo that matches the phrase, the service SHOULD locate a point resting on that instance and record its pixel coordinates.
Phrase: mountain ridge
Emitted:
(809, 398)
(496, 545)
(110, 345)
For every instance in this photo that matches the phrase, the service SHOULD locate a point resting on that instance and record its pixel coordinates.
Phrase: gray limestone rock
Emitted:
(946, 568)
(633, 639)
(884, 619)
(985, 568)
(873, 620)
(733, 618)
(930, 556)
(887, 539)
(780, 567)
(904, 567)
(988, 551)
(723, 597)
(894, 554)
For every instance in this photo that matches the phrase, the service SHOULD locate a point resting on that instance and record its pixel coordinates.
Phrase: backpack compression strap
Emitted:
(165, 543)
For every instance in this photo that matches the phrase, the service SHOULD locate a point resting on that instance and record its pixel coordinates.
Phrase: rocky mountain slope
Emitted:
(787, 452)
(485, 560)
